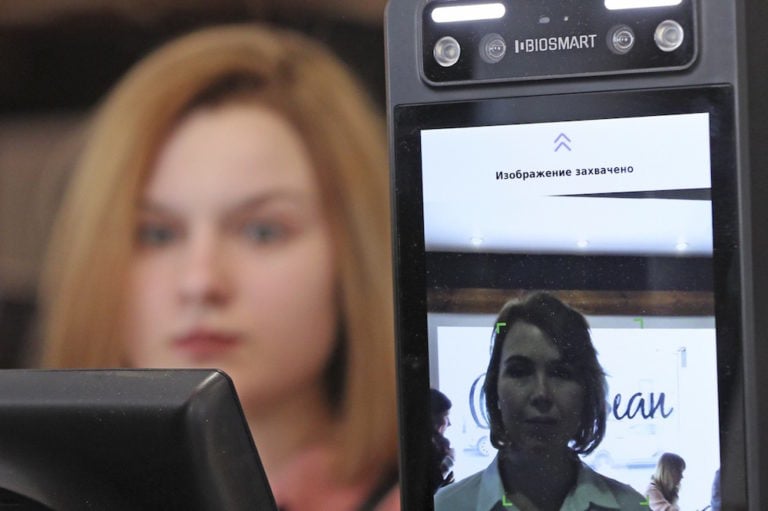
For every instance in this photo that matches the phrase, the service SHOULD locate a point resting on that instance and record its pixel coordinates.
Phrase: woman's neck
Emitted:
(285, 429)
(538, 482)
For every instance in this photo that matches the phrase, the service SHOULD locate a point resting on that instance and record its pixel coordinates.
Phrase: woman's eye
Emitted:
(155, 235)
(562, 371)
(518, 371)
(260, 232)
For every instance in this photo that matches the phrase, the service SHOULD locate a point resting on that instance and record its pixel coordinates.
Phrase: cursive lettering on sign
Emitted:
(638, 404)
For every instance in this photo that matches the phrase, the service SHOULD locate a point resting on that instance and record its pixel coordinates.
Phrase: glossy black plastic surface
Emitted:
(127, 440)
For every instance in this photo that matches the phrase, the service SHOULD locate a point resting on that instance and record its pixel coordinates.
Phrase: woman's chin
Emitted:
(540, 447)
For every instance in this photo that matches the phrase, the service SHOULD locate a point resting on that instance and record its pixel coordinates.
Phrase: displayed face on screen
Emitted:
(613, 215)
(539, 394)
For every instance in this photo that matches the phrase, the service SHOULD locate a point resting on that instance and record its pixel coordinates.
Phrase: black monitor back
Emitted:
(126, 439)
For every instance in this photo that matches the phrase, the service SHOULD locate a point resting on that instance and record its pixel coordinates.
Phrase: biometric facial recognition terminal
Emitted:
(593, 150)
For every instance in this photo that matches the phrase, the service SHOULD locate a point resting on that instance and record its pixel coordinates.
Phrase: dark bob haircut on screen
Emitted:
(569, 332)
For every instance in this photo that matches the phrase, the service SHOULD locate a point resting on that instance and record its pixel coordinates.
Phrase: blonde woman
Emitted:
(230, 210)
(663, 490)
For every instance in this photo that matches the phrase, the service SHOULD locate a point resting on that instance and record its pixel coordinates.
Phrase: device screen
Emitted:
(622, 206)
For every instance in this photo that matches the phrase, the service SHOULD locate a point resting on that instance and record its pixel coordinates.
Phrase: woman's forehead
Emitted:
(232, 151)
(528, 340)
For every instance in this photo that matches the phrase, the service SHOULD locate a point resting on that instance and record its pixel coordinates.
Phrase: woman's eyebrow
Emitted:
(515, 358)
(146, 206)
(264, 199)
(560, 362)
(247, 204)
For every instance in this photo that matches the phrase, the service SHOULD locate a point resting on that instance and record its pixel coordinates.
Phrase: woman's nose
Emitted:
(541, 395)
(203, 278)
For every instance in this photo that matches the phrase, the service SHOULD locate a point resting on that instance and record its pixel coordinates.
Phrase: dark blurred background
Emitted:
(58, 59)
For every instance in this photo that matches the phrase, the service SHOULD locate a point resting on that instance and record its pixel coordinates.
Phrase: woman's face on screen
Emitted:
(540, 396)
(234, 265)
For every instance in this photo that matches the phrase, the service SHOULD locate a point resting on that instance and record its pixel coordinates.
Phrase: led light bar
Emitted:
(616, 5)
(473, 12)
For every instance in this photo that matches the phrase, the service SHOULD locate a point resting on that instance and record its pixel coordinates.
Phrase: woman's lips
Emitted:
(542, 421)
(201, 345)
(541, 428)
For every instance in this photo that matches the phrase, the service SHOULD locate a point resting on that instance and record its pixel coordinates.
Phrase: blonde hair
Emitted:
(668, 470)
(83, 285)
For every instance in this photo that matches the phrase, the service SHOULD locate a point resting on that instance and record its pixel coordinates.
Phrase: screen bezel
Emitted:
(410, 259)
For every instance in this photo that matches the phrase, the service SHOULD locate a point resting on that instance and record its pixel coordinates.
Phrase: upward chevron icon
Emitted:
(561, 141)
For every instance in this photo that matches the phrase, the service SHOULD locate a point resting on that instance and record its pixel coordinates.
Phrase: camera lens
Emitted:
(621, 39)
(447, 51)
(669, 35)
(493, 47)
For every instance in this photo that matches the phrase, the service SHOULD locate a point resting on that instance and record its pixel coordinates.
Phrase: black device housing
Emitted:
(730, 52)
(126, 440)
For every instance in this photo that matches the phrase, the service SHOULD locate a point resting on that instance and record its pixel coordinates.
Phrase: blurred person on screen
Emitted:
(546, 401)
(716, 501)
(664, 489)
(230, 210)
(441, 464)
